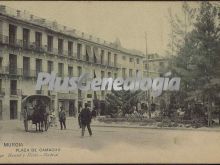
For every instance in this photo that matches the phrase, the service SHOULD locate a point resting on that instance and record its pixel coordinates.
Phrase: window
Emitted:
(12, 34)
(115, 75)
(109, 58)
(70, 71)
(12, 64)
(95, 52)
(1, 109)
(161, 64)
(26, 66)
(123, 72)
(102, 56)
(146, 66)
(60, 46)
(79, 49)
(130, 73)
(102, 74)
(49, 66)
(138, 61)
(131, 59)
(70, 48)
(49, 43)
(88, 53)
(38, 39)
(115, 59)
(79, 70)
(26, 33)
(13, 87)
(60, 69)
(38, 66)
(1, 64)
(109, 74)
(1, 91)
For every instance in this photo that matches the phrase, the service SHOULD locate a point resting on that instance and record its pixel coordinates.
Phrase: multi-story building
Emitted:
(29, 45)
(155, 65)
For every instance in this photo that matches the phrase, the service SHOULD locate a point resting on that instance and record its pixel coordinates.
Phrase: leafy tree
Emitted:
(197, 58)
(123, 100)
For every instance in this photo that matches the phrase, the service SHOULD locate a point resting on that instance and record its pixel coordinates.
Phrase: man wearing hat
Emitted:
(86, 117)
(62, 118)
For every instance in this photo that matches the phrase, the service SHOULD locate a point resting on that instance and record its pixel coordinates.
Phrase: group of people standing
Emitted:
(84, 119)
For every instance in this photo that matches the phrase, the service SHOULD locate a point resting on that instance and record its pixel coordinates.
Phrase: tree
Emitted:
(123, 100)
(197, 59)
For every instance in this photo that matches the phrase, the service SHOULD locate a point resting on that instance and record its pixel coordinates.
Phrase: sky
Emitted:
(109, 20)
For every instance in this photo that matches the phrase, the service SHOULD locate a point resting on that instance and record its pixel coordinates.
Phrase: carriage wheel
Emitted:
(26, 125)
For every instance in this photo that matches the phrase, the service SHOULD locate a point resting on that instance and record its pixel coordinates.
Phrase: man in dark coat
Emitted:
(62, 118)
(85, 117)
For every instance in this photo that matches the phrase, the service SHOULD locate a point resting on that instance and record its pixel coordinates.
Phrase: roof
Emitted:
(25, 16)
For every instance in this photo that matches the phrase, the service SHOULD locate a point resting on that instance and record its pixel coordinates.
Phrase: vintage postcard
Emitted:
(109, 82)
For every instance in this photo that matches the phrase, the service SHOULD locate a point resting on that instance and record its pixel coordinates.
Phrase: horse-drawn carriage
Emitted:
(36, 108)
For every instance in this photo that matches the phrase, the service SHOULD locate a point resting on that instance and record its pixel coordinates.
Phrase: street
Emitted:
(113, 144)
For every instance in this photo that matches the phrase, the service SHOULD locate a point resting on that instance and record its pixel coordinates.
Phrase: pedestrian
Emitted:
(85, 118)
(79, 119)
(62, 118)
(94, 113)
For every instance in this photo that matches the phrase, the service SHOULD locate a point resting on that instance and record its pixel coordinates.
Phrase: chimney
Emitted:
(82, 34)
(64, 27)
(90, 37)
(18, 13)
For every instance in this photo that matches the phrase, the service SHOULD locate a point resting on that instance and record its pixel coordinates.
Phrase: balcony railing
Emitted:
(2, 91)
(4, 39)
(29, 73)
(70, 53)
(16, 92)
(10, 41)
(15, 71)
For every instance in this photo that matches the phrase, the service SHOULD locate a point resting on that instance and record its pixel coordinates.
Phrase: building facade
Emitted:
(155, 65)
(29, 45)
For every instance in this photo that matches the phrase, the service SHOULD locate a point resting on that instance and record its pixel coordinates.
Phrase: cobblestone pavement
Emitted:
(110, 144)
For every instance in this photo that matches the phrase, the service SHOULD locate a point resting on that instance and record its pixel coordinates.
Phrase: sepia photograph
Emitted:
(109, 82)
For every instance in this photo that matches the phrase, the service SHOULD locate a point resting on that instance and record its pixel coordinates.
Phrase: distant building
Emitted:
(155, 65)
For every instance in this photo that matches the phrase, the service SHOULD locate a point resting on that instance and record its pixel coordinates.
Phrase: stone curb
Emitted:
(159, 128)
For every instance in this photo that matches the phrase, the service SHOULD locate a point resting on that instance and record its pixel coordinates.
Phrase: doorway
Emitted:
(13, 109)
(72, 108)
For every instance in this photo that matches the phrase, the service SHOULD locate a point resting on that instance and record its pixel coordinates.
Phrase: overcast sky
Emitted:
(126, 20)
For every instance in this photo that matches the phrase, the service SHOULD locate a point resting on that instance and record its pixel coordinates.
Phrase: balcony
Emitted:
(29, 73)
(4, 39)
(70, 53)
(2, 91)
(15, 43)
(15, 92)
(10, 41)
(15, 71)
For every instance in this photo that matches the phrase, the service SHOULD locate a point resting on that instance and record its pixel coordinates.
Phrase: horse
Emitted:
(39, 118)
